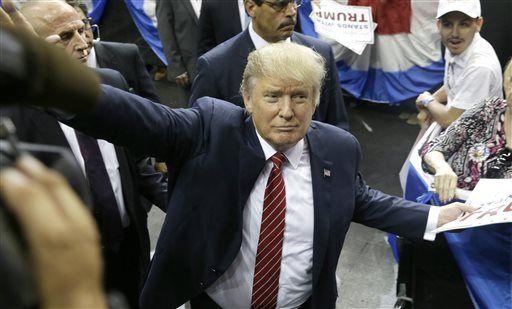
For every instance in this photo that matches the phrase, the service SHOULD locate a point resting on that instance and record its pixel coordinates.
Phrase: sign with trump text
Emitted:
(351, 26)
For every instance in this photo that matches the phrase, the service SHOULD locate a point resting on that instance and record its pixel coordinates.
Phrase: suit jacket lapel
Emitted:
(190, 9)
(320, 176)
(251, 162)
(246, 46)
(104, 57)
(50, 130)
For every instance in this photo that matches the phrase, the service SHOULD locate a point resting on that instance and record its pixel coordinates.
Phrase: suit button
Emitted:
(201, 284)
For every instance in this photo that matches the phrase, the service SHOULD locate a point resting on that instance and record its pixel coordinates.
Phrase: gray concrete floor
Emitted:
(366, 269)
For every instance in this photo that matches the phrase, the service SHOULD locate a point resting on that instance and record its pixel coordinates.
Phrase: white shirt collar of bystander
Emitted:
(91, 60)
(257, 40)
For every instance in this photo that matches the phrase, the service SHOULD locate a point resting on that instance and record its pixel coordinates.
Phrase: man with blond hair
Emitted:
(262, 198)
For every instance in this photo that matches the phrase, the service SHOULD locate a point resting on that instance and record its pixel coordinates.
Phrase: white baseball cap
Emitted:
(468, 7)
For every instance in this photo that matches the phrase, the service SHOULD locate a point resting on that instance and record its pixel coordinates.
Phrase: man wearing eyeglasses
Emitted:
(115, 178)
(220, 70)
(122, 57)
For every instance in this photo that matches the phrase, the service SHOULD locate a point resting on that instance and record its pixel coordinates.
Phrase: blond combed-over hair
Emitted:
(285, 61)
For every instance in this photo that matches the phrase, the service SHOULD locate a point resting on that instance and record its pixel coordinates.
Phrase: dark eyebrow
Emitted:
(272, 91)
(66, 32)
(299, 92)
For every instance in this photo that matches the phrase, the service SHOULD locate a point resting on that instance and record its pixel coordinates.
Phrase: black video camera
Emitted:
(17, 288)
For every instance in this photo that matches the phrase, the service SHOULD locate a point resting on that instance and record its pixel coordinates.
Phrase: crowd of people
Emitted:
(262, 175)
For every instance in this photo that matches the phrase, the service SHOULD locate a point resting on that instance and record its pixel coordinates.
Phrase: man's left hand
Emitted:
(452, 211)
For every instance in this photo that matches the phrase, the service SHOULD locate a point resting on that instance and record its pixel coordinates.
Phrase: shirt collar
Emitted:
(293, 154)
(257, 40)
(462, 58)
(91, 60)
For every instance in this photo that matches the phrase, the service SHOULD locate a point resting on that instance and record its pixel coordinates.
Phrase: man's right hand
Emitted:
(182, 80)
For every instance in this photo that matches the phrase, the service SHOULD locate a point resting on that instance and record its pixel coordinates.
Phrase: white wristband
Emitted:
(427, 100)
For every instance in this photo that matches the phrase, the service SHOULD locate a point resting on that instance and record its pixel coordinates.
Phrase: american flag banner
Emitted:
(405, 59)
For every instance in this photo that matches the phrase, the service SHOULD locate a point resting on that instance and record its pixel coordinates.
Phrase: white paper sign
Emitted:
(494, 197)
(351, 26)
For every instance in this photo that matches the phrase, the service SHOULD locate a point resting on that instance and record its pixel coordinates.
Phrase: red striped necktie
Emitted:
(270, 245)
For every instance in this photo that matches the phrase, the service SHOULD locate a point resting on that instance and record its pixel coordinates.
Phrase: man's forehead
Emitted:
(68, 20)
(51, 17)
(456, 16)
(281, 83)
(69, 26)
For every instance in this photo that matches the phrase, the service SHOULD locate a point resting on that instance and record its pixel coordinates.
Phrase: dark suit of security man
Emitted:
(219, 21)
(219, 71)
(178, 32)
(137, 179)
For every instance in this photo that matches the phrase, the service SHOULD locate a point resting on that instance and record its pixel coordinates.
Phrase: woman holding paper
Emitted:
(477, 145)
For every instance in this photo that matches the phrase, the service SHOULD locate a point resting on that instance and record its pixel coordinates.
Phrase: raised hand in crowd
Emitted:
(62, 239)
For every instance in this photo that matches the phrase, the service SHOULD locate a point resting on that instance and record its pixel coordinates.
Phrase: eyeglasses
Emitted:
(89, 26)
(497, 167)
(87, 23)
(280, 5)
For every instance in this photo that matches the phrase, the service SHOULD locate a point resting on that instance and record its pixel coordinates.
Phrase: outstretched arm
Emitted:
(145, 128)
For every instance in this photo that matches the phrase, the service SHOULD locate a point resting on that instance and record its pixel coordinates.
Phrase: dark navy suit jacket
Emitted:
(125, 58)
(217, 158)
(220, 72)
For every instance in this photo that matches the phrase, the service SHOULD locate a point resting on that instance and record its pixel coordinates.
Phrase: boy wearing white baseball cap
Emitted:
(472, 70)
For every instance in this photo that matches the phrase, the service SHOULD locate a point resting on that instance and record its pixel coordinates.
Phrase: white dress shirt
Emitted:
(196, 5)
(257, 40)
(92, 62)
(108, 153)
(473, 75)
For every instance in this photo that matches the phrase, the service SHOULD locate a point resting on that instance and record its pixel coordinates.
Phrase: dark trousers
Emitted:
(431, 276)
(122, 269)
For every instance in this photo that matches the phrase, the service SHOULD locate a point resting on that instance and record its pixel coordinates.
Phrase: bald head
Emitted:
(56, 17)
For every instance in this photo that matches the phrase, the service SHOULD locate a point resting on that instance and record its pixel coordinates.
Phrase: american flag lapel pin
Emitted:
(327, 173)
